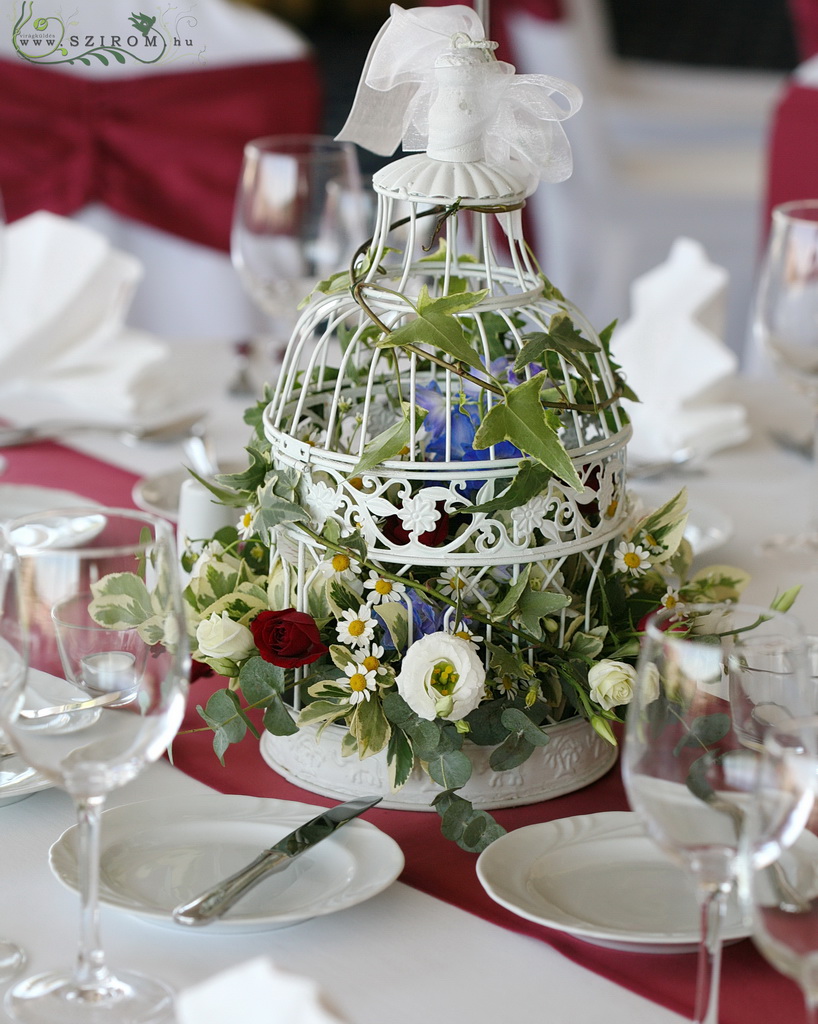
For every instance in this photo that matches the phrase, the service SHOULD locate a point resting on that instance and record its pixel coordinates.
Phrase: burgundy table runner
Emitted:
(752, 993)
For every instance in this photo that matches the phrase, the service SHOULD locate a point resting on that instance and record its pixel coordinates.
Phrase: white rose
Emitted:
(220, 637)
(442, 677)
(612, 683)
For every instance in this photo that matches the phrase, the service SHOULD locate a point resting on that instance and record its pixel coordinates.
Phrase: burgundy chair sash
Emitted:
(792, 171)
(164, 149)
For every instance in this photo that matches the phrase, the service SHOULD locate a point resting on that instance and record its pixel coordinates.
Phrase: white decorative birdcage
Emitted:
(393, 410)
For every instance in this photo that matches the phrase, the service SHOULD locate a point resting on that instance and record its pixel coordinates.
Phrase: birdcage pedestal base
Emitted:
(575, 757)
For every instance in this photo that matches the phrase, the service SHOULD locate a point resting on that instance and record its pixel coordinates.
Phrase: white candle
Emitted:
(109, 671)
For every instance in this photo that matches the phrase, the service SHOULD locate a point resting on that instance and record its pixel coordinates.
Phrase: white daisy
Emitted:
(341, 566)
(670, 599)
(361, 682)
(356, 627)
(245, 524)
(383, 591)
(632, 559)
(457, 583)
(465, 633)
(370, 660)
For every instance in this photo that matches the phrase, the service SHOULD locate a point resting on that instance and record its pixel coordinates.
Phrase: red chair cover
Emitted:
(164, 149)
(792, 171)
(804, 14)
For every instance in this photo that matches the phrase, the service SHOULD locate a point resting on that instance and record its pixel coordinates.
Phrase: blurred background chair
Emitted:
(149, 153)
(660, 151)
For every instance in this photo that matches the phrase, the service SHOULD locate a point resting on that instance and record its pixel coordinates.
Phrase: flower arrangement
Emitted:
(494, 656)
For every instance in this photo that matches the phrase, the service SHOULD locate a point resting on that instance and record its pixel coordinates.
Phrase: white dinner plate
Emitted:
(18, 780)
(159, 494)
(598, 877)
(160, 853)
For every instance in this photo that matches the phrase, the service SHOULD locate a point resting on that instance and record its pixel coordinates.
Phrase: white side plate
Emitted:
(600, 878)
(160, 853)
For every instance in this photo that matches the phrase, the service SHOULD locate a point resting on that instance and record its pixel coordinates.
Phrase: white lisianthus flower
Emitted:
(219, 636)
(442, 677)
(612, 683)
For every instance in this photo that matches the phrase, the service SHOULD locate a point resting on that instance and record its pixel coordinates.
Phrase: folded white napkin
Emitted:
(255, 992)
(64, 296)
(674, 359)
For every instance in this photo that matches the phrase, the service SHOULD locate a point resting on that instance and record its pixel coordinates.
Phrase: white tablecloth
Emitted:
(404, 956)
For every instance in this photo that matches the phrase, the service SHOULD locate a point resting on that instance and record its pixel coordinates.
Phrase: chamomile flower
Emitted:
(383, 591)
(370, 660)
(245, 524)
(465, 633)
(670, 599)
(506, 686)
(361, 682)
(343, 566)
(632, 559)
(356, 628)
(457, 583)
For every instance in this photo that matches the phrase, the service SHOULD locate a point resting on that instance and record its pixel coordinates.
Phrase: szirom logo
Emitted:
(144, 39)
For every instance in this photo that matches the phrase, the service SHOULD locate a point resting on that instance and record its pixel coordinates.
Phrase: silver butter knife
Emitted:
(216, 901)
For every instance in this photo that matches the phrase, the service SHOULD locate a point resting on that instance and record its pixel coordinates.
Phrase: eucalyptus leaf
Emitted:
(518, 721)
(511, 753)
(278, 720)
(705, 731)
(260, 681)
(451, 769)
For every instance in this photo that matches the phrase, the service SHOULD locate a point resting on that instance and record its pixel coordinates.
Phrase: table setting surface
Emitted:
(438, 907)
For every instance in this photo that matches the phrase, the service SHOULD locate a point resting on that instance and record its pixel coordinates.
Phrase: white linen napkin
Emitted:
(255, 992)
(64, 296)
(673, 356)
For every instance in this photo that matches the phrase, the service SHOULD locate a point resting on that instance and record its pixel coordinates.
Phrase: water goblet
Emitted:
(687, 775)
(99, 605)
(299, 216)
(785, 918)
(785, 322)
(13, 659)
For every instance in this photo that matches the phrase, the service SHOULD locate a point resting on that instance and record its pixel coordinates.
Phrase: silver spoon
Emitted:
(50, 430)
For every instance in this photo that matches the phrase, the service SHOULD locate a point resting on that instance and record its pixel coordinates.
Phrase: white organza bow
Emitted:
(516, 117)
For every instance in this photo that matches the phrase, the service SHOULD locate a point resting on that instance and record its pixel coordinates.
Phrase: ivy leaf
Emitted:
(322, 711)
(370, 727)
(564, 339)
(522, 420)
(502, 610)
(530, 480)
(121, 601)
(536, 605)
(394, 614)
(436, 327)
(389, 442)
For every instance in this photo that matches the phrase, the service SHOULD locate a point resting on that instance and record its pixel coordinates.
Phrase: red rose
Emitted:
(287, 638)
(396, 533)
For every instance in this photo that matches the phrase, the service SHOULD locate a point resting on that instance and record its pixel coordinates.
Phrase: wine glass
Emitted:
(785, 322)
(99, 603)
(785, 918)
(687, 775)
(299, 215)
(13, 659)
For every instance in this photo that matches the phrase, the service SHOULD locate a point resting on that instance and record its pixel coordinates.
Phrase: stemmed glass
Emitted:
(785, 919)
(300, 214)
(99, 603)
(785, 322)
(686, 773)
(13, 660)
